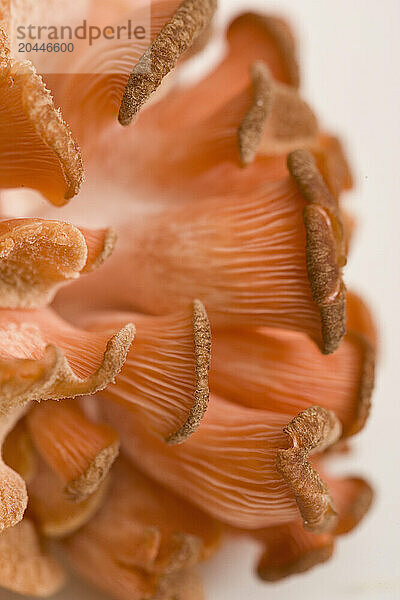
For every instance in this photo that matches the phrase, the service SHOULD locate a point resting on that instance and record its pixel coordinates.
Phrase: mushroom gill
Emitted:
(289, 549)
(43, 357)
(270, 257)
(226, 191)
(238, 462)
(143, 524)
(165, 377)
(142, 539)
(283, 371)
(78, 451)
(37, 149)
(123, 582)
(263, 118)
(115, 79)
(55, 515)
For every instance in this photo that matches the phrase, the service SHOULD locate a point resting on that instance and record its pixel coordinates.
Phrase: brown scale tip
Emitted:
(280, 33)
(53, 130)
(55, 516)
(51, 377)
(77, 450)
(325, 247)
(202, 349)
(311, 430)
(252, 127)
(366, 387)
(87, 483)
(36, 107)
(189, 20)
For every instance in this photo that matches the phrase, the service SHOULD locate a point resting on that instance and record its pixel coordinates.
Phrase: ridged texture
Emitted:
(37, 148)
(229, 462)
(43, 357)
(143, 538)
(55, 515)
(243, 257)
(208, 205)
(165, 378)
(285, 372)
(78, 451)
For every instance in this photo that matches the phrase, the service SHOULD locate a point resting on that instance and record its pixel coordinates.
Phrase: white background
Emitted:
(351, 75)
